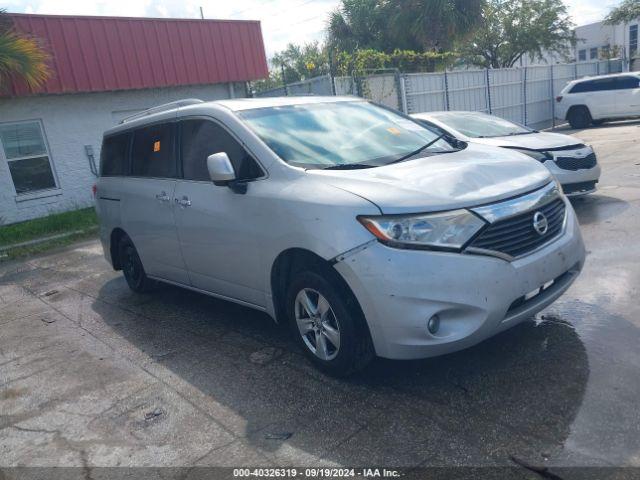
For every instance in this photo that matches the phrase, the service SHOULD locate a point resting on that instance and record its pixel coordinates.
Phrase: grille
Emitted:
(516, 236)
(572, 163)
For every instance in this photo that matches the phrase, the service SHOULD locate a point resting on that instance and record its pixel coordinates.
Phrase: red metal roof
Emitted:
(96, 54)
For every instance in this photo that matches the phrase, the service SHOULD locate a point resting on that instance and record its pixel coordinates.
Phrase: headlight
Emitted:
(540, 156)
(446, 230)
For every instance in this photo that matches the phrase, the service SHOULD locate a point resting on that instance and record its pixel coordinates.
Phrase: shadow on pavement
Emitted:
(514, 394)
(597, 208)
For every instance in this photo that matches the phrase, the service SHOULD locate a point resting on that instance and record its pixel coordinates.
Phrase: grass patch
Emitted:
(53, 224)
(26, 251)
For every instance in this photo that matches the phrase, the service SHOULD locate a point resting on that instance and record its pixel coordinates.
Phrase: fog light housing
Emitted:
(433, 325)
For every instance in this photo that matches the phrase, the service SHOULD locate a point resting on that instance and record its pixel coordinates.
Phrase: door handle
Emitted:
(184, 201)
(162, 197)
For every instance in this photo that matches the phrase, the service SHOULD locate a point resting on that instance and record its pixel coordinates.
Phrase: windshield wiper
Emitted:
(348, 166)
(415, 152)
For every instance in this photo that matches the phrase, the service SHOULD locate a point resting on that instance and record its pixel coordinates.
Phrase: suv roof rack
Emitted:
(161, 108)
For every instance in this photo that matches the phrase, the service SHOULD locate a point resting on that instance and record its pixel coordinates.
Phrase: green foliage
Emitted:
(274, 80)
(387, 25)
(406, 61)
(627, 11)
(21, 57)
(300, 62)
(511, 29)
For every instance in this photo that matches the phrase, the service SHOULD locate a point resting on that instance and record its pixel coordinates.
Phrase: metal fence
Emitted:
(524, 95)
(314, 86)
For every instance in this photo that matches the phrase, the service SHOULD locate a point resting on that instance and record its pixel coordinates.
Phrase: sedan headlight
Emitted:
(446, 230)
(540, 156)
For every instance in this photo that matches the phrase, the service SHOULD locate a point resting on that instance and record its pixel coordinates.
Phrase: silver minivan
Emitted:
(367, 232)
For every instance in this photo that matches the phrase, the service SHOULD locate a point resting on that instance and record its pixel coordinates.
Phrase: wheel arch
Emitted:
(117, 234)
(294, 260)
(573, 108)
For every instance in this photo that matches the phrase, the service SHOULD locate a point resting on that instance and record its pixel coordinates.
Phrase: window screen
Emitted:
(582, 55)
(593, 53)
(201, 138)
(114, 153)
(633, 40)
(26, 153)
(152, 154)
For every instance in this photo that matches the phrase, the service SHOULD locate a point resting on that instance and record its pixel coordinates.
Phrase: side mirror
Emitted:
(220, 169)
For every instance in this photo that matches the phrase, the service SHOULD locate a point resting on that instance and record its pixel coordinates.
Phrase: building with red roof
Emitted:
(102, 70)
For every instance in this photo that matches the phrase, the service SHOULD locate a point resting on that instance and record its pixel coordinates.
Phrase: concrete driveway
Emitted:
(94, 375)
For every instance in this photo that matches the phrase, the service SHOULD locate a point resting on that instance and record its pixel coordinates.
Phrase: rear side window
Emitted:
(201, 138)
(627, 83)
(600, 85)
(113, 155)
(152, 154)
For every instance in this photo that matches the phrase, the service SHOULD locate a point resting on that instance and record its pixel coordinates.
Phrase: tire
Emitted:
(579, 117)
(336, 313)
(132, 267)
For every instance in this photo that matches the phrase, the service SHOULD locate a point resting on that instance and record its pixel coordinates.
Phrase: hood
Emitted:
(473, 176)
(532, 141)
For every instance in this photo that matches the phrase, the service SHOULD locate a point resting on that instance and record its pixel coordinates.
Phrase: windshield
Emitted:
(481, 125)
(326, 135)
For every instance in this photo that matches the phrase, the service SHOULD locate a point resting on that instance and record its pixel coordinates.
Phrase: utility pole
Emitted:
(201, 14)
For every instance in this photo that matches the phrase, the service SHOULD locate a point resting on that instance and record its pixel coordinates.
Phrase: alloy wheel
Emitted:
(317, 323)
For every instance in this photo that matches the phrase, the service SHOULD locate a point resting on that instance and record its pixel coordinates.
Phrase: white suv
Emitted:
(366, 232)
(594, 100)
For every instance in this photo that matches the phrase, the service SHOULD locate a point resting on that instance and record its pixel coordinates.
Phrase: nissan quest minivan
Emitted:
(365, 231)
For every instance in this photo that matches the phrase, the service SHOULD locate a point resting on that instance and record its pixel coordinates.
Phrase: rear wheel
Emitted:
(132, 267)
(327, 325)
(579, 117)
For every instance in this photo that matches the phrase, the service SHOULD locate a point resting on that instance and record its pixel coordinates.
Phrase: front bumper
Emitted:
(474, 296)
(568, 177)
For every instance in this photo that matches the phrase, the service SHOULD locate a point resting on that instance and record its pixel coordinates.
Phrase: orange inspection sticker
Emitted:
(393, 130)
(156, 146)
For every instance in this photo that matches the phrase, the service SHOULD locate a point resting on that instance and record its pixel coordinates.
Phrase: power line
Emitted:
(315, 17)
(276, 13)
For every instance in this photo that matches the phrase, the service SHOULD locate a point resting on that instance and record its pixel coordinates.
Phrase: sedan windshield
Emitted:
(341, 134)
(481, 125)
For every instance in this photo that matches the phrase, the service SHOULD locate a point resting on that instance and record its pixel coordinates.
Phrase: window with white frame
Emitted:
(593, 53)
(633, 40)
(25, 150)
(582, 55)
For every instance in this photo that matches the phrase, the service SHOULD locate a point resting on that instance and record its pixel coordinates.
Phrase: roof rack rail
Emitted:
(161, 108)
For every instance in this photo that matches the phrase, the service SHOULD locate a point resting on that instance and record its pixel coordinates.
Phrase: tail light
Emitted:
(94, 190)
(559, 98)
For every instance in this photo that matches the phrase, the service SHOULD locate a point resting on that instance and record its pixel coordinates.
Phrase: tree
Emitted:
(299, 62)
(21, 57)
(358, 25)
(387, 25)
(424, 25)
(511, 29)
(626, 12)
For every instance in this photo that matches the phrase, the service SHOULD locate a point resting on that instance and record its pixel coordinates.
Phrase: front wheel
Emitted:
(328, 325)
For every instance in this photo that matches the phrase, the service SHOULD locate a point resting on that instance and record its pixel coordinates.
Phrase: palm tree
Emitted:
(21, 57)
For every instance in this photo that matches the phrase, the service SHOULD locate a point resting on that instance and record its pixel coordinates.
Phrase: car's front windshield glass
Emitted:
(481, 125)
(336, 134)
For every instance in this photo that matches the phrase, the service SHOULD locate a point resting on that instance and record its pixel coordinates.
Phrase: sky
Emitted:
(283, 21)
